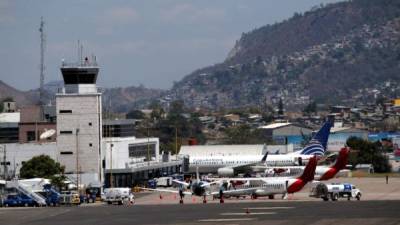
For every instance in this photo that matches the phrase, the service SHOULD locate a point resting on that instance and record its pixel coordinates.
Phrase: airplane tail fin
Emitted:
(264, 158)
(309, 171)
(318, 143)
(323, 134)
(341, 160)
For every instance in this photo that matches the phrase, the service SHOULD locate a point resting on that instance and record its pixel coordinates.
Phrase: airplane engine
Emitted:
(226, 172)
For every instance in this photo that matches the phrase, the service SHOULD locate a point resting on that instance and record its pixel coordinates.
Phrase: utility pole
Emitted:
(77, 159)
(4, 162)
(176, 142)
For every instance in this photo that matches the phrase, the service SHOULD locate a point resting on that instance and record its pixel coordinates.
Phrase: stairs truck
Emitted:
(28, 192)
(334, 191)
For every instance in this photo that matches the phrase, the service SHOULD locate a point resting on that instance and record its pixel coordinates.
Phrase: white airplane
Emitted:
(227, 166)
(321, 172)
(267, 186)
(197, 187)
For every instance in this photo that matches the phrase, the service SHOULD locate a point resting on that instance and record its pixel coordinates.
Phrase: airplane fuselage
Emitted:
(211, 164)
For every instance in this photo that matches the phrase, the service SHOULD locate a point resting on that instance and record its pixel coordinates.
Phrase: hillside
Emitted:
(125, 99)
(114, 99)
(21, 97)
(346, 52)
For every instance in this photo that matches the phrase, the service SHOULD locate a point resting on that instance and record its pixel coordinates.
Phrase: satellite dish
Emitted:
(47, 134)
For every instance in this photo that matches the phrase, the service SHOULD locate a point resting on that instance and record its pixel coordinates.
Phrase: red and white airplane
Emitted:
(267, 186)
(321, 172)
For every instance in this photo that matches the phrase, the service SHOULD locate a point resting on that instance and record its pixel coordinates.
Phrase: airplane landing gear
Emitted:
(204, 199)
(181, 195)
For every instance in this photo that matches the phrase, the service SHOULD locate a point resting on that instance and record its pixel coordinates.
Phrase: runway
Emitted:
(294, 213)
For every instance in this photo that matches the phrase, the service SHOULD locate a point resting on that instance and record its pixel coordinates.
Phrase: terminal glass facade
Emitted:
(143, 150)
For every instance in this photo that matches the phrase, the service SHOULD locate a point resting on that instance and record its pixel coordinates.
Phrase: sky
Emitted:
(143, 42)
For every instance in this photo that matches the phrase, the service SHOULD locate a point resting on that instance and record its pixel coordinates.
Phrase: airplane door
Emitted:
(300, 161)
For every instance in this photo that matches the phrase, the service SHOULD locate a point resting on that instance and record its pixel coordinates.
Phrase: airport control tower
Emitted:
(79, 122)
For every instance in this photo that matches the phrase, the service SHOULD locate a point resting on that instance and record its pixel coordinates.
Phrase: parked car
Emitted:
(18, 200)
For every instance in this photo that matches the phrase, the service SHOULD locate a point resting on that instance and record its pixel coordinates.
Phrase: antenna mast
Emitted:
(42, 67)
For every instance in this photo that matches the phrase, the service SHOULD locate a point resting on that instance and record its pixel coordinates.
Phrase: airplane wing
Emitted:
(181, 182)
(236, 191)
(166, 190)
(211, 183)
(247, 167)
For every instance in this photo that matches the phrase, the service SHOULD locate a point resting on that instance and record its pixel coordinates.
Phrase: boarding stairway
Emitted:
(39, 199)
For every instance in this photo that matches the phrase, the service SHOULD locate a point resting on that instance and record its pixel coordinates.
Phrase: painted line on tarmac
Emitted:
(247, 213)
(267, 208)
(226, 220)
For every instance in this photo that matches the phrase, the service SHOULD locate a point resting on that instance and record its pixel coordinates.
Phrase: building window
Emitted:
(65, 111)
(90, 124)
(66, 132)
(142, 150)
(90, 144)
(31, 135)
(66, 153)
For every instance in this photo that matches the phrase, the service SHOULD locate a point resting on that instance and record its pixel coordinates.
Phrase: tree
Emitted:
(135, 114)
(280, 107)
(41, 166)
(310, 108)
(368, 152)
(157, 111)
(243, 134)
(177, 107)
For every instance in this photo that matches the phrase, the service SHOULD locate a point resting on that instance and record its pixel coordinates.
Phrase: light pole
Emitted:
(148, 146)
(111, 175)
(4, 161)
(77, 159)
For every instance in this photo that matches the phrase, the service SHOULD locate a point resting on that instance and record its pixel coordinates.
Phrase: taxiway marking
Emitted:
(245, 213)
(226, 219)
(268, 208)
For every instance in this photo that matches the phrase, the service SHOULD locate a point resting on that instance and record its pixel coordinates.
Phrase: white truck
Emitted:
(334, 191)
(164, 181)
(119, 195)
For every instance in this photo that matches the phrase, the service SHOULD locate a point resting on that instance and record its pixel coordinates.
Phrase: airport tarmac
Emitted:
(380, 204)
(293, 213)
(371, 188)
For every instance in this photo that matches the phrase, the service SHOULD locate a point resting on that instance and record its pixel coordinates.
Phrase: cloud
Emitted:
(188, 13)
(121, 15)
(7, 11)
(113, 17)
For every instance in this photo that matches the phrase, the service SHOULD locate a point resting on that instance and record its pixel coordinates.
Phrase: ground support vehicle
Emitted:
(334, 191)
(119, 196)
(164, 181)
(18, 200)
(69, 198)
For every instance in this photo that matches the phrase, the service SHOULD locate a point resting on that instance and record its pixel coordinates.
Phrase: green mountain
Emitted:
(342, 53)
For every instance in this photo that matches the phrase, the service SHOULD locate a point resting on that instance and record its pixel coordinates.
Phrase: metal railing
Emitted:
(25, 190)
(79, 64)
